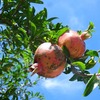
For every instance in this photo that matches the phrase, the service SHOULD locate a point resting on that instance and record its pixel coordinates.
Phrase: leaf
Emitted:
(45, 13)
(67, 70)
(26, 97)
(15, 60)
(1, 72)
(23, 33)
(91, 63)
(73, 78)
(91, 26)
(30, 13)
(92, 53)
(50, 19)
(41, 16)
(7, 66)
(10, 0)
(92, 83)
(61, 31)
(79, 64)
(22, 30)
(37, 1)
(66, 52)
(58, 25)
(99, 70)
(33, 27)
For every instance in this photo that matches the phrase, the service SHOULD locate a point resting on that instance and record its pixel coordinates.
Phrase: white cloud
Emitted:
(62, 85)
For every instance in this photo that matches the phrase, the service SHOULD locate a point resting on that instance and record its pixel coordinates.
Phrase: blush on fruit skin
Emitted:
(73, 42)
(49, 60)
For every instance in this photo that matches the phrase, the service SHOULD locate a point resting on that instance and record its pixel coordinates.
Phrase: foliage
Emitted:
(23, 31)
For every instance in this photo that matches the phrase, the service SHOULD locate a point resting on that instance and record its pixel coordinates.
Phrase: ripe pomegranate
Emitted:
(73, 42)
(49, 60)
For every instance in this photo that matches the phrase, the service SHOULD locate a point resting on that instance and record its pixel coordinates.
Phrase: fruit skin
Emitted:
(73, 42)
(49, 60)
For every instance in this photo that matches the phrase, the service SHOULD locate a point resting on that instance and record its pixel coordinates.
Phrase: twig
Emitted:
(79, 73)
(98, 51)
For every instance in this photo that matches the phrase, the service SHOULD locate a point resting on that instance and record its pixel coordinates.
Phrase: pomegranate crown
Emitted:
(88, 32)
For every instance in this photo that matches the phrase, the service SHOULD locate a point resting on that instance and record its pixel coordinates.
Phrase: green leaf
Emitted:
(91, 63)
(79, 64)
(58, 25)
(1, 73)
(91, 26)
(92, 53)
(99, 70)
(7, 67)
(23, 33)
(26, 97)
(50, 19)
(67, 70)
(33, 26)
(63, 30)
(59, 33)
(10, 0)
(73, 78)
(42, 15)
(37, 1)
(16, 60)
(22, 30)
(92, 83)
(45, 13)
(66, 52)
(30, 13)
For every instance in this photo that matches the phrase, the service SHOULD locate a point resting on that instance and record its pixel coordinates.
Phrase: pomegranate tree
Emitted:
(49, 60)
(73, 42)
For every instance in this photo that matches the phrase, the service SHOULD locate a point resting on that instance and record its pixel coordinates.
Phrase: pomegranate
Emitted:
(49, 60)
(73, 42)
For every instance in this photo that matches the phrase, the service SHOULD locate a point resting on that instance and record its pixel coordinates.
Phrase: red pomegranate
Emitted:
(73, 42)
(49, 60)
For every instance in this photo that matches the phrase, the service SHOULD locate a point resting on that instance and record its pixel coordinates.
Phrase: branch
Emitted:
(79, 73)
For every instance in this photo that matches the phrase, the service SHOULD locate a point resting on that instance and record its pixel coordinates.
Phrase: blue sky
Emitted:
(76, 14)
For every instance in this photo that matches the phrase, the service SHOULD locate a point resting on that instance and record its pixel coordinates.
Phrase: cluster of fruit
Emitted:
(50, 60)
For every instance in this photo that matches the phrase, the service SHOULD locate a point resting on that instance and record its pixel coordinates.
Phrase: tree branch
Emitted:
(79, 73)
